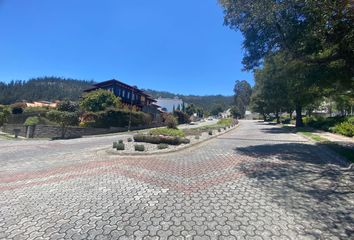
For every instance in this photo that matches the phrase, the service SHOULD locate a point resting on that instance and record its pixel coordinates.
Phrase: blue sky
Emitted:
(179, 46)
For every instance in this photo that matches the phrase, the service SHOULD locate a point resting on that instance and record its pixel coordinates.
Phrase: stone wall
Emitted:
(50, 131)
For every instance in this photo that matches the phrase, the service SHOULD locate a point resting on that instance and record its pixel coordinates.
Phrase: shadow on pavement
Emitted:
(298, 179)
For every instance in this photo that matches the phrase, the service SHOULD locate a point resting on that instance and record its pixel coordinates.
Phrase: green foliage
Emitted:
(344, 128)
(68, 106)
(120, 141)
(17, 108)
(116, 118)
(201, 103)
(38, 110)
(216, 109)
(225, 122)
(139, 147)
(170, 121)
(182, 117)
(197, 137)
(242, 97)
(45, 88)
(129, 139)
(99, 100)
(115, 144)
(210, 132)
(120, 146)
(156, 139)
(162, 146)
(63, 119)
(4, 114)
(32, 121)
(167, 132)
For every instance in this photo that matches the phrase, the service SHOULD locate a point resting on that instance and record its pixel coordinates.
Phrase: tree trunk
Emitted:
(277, 117)
(299, 122)
(264, 117)
(291, 115)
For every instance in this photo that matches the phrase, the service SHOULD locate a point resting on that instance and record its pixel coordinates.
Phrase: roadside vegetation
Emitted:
(342, 150)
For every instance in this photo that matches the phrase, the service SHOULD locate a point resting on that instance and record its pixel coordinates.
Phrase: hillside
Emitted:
(205, 102)
(45, 88)
(55, 88)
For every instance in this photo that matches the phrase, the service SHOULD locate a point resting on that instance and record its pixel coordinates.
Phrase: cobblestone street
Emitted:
(255, 182)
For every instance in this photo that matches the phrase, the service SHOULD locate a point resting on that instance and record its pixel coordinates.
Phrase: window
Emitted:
(128, 95)
(123, 93)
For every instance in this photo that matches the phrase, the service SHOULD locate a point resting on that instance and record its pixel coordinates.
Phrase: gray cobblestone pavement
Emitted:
(255, 182)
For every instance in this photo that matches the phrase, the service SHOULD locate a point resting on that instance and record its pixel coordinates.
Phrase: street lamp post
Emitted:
(131, 109)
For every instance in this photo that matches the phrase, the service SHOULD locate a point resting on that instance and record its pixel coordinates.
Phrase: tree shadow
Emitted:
(305, 180)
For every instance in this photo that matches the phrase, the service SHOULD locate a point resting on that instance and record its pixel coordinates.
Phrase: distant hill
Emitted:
(44, 88)
(55, 88)
(205, 102)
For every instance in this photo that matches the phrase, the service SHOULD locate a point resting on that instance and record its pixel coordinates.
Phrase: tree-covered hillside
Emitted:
(45, 88)
(208, 103)
(56, 88)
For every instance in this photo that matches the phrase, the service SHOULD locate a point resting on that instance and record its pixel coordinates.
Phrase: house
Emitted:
(42, 104)
(129, 95)
(169, 104)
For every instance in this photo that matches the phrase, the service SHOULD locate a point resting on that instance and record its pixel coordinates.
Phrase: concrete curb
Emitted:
(187, 146)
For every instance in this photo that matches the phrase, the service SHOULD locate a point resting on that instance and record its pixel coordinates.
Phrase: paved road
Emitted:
(256, 182)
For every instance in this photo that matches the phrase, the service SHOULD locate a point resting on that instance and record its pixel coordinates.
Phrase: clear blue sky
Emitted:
(179, 46)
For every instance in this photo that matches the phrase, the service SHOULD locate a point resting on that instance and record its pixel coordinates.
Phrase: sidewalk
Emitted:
(336, 138)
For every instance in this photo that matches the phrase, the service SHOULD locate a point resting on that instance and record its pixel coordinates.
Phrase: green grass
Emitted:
(224, 122)
(168, 132)
(343, 151)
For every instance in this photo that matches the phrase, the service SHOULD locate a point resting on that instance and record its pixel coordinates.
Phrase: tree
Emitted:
(216, 109)
(69, 106)
(64, 119)
(99, 100)
(243, 91)
(190, 109)
(314, 38)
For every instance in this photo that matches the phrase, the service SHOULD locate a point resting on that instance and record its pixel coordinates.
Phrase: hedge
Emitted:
(116, 118)
(155, 139)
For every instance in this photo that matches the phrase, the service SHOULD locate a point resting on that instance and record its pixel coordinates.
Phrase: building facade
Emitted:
(129, 95)
(168, 104)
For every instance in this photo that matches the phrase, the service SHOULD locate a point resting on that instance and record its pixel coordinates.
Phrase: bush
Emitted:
(31, 121)
(69, 106)
(225, 121)
(210, 132)
(99, 100)
(197, 137)
(17, 108)
(120, 141)
(344, 128)
(171, 121)
(129, 139)
(219, 130)
(155, 139)
(167, 132)
(120, 146)
(115, 144)
(139, 147)
(117, 118)
(224, 128)
(162, 146)
(181, 117)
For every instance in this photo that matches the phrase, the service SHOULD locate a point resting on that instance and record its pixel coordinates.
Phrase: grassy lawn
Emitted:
(167, 132)
(343, 151)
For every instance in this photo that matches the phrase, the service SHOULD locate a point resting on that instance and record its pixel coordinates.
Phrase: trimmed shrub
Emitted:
(31, 121)
(219, 130)
(172, 140)
(162, 146)
(197, 137)
(120, 146)
(120, 141)
(117, 118)
(171, 121)
(210, 132)
(344, 128)
(167, 132)
(115, 144)
(139, 147)
(224, 128)
(129, 139)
